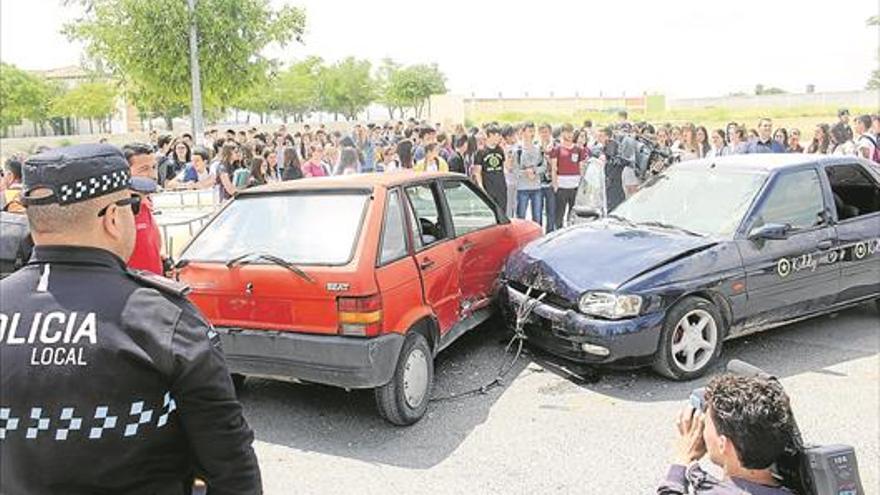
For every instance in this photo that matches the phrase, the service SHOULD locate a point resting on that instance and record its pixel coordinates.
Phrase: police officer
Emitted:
(110, 381)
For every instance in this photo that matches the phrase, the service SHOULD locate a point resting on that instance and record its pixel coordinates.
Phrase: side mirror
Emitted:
(586, 212)
(770, 231)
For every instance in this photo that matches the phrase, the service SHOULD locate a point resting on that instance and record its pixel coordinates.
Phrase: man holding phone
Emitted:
(744, 425)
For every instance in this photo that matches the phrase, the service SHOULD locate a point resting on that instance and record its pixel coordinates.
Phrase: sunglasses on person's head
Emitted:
(134, 201)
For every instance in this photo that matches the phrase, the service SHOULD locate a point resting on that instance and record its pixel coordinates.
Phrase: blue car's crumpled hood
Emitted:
(601, 255)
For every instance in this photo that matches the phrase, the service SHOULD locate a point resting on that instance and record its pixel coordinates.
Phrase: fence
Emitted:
(180, 215)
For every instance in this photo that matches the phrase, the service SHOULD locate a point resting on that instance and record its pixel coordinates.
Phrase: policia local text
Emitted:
(51, 329)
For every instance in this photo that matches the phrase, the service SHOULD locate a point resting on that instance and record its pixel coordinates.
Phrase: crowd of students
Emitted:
(521, 167)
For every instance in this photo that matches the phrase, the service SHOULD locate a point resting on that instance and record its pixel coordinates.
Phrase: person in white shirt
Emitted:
(686, 147)
(390, 163)
(841, 144)
(719, 146)
(865, 142)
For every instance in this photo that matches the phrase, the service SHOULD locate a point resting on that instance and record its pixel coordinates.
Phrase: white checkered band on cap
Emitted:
(93, 187)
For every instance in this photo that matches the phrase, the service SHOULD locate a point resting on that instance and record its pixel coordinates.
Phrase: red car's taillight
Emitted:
(360, 316)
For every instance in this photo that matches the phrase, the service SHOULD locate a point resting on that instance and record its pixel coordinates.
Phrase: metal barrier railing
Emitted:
(180, 214)
(185, 200)
(176, 231)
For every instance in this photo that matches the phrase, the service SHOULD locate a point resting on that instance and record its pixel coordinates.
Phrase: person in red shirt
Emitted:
(147, 247)
(566, 160)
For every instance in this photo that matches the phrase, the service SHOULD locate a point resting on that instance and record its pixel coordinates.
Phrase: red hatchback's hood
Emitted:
(270, 297)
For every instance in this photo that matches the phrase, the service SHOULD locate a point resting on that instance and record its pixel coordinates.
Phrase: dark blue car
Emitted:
(709, 250)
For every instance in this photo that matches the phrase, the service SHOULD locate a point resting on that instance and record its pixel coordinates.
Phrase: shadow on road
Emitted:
(335, 422)
(811, 346)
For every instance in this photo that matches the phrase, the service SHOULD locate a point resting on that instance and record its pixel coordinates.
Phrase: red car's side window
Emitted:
(428, 226)
(469, 211)
(393, 244)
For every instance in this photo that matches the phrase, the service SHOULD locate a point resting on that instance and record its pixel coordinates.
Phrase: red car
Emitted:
(356, 281)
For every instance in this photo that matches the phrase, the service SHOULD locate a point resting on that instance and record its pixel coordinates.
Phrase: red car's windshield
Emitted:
(304, 228)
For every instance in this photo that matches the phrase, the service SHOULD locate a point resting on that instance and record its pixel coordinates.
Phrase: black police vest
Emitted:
(87, 372)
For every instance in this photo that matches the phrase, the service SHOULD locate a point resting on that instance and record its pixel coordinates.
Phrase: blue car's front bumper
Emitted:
(564, 331)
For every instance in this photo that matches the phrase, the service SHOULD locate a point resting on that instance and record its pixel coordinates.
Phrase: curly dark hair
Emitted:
(754, 414)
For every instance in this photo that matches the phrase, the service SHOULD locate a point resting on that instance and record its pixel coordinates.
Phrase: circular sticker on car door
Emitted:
(783, 267)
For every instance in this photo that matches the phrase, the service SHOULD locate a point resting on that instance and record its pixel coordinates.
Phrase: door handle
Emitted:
(464, 246)
(826, 244)
(426, 263)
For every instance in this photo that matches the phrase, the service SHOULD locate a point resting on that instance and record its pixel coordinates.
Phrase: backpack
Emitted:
(15, 243)
(876, 157)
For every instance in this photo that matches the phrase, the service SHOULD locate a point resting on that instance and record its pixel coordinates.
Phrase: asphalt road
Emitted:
(546, 431)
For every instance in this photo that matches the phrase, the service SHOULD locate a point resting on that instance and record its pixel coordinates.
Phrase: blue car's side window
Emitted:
(795, 199)
(855, 193)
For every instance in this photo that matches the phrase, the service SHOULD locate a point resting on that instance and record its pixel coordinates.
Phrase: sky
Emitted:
(681, 48)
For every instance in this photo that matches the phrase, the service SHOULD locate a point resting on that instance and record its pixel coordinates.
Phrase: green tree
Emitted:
(93, 100)
(23, 95)
(156, 104)
(389, 95)
(296, 89)
(760, 89)
(412, 86)
(259, 99)
(144, 44)
(346, 87)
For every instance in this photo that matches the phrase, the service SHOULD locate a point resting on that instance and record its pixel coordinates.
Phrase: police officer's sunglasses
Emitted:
(134, 201)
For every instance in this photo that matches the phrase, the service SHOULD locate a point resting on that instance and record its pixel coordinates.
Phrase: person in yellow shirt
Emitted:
(432, 162)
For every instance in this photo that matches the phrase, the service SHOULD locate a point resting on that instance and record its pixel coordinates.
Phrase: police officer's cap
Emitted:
(75, 173)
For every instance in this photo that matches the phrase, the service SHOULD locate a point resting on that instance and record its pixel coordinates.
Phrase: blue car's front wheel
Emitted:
(691, 339)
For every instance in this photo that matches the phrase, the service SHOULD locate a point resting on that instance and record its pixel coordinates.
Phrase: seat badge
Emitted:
(337, 286)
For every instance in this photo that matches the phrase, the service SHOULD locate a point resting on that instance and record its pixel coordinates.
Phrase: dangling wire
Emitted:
(523, 311)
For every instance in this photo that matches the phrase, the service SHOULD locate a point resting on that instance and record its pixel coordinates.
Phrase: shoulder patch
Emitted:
(162, 284)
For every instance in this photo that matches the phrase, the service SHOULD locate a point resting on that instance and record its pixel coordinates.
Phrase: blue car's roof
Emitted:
(765, 162)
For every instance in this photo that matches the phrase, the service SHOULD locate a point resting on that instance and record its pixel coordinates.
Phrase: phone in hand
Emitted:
(697, 399)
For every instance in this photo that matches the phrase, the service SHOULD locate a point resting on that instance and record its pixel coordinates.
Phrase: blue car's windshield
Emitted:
(706, 201)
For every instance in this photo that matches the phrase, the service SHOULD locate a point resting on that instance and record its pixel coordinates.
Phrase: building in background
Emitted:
(124, 119)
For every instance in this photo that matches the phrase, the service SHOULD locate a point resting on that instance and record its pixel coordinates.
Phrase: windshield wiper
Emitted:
(671, 227)
(243, 260)
(232, 261)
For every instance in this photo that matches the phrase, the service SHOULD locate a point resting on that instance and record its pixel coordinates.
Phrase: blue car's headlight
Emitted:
(610, 305)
